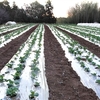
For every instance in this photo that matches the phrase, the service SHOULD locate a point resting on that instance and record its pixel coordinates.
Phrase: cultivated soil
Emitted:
(63, 82)
(90, 46)
(9, 31)
(7, 52)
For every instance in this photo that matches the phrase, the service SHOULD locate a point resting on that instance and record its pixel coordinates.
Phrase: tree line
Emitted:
(33, 13)
(87, 12)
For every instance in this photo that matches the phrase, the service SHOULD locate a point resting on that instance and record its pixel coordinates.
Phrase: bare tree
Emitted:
(86, 12)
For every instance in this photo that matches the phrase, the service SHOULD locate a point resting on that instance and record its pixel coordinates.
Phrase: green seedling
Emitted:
(94, 74)
(37, 55)
(87, 69)
(10, 65)
(16, 82)
(71, 50)
(75, 53)
(6, 72)
(33, 95)
(12, 91)
(33, 65)
(16, 76)
(72, 44)
(35, 69)
(82, 64)
(1, 78)
(39, 44)
(84, 48)
(78, 58)
(21, 65)
(33, 75)
(34, 60)
(98, 81)
(98, 67)
(22, 60)
(10, 84)
(79, 52)
(93, 63)
(89, 53)
(89, 59)
(19, 69)
(37, 84)
(12, 61)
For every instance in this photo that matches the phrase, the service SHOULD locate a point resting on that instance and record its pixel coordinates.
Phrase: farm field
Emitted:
(46, 62)
(8, 29)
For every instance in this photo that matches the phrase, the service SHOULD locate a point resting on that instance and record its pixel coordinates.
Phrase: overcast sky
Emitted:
(61, 7)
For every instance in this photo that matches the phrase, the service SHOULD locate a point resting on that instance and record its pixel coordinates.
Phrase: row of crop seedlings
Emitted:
(5, 28)
(92, 34)
(93, 30)
(8, 37)
(89, 35)
(87, 60)
(11, 74)
(85, 29)
(90, 29)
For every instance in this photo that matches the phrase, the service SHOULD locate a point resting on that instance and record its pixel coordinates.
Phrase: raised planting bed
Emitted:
(24, 75)
(85, 63)
(63, 82)
(91, 34)
(9, 36)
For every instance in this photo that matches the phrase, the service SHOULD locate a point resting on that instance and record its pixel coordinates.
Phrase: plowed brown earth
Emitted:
(63, 82)
(90, 46)
(7, 52)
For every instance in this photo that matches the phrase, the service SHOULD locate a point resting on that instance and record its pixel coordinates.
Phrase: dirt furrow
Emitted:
(90, 46)
(7, 52)
(63, 82)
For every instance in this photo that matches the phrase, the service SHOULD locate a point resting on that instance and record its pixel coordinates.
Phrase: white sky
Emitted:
(60, 6)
